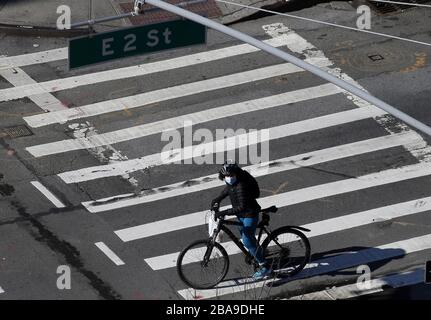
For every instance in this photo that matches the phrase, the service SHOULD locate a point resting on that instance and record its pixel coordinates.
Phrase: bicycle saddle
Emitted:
(270, 209)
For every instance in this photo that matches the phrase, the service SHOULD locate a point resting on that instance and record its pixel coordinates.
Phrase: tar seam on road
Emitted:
(69, 252)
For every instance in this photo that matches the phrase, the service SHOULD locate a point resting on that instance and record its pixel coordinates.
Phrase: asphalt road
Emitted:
(111, 186)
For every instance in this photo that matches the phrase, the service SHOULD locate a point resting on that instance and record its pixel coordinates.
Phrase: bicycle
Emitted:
(205, 263)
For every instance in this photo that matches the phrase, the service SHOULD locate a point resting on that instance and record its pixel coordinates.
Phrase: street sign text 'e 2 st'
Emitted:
(102, 47)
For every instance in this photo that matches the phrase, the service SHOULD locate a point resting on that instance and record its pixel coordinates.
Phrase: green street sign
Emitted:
(107, 46)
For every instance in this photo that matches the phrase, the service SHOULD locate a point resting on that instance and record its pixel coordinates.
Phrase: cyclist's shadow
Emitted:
(335, 262)
(332, 263)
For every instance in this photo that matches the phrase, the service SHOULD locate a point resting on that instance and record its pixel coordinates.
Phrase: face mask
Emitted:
(230, 180)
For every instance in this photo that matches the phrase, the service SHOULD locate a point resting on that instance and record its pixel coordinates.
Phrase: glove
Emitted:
(220, 214)
(215, 206)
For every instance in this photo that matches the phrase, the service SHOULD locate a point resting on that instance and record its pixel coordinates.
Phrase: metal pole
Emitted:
(298, 62)
(94, 21)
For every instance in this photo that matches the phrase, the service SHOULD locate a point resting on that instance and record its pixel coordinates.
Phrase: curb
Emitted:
(31, 31)
(229, 18)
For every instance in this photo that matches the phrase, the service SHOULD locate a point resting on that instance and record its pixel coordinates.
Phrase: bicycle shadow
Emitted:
(331, 262)
(334, 262)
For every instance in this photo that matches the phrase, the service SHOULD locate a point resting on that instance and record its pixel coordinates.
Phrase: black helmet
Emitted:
(229, 168)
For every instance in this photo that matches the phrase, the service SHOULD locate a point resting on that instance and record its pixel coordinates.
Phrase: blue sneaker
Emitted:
(262, 273)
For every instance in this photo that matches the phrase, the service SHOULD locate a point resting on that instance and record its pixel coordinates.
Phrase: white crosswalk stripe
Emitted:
(172, 156)
(33, 58)
(322, 227)
(284, 199)
(289, 163)
(45, 101)
(320, 267)
(165, 94)
(142, 228)
(24, 90)
(178, 122)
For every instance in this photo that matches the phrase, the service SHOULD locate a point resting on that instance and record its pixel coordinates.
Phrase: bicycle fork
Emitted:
(207, 254)
(210, 247)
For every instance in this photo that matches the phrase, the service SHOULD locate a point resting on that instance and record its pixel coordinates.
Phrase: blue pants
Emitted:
(248, 231)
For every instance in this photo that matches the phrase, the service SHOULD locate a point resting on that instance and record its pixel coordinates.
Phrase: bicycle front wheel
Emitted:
(202, 265)
(287, 251)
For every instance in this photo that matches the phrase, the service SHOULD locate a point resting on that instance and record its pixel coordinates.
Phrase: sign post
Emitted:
(107, 46)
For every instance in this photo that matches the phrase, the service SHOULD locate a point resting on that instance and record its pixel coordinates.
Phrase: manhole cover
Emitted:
(15, 132)
(375, 57)
(384, 8)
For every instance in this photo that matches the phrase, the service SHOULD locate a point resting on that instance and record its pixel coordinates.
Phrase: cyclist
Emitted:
(243, 190)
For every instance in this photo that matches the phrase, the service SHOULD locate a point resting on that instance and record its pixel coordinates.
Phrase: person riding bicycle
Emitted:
(243, 190)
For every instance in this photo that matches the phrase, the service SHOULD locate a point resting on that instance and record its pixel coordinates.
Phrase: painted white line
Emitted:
(1, 290)
(33, 58)
(160, 95)
(308, 50)
(320, 267)
(105, 153)
(49, 103)
(367, 287)
(283, 199)
(230, 143)
(323, 227)
(140, 131)
(45, 101)
(134, 71)
(275, 166)
(109, 253)
(48, 194)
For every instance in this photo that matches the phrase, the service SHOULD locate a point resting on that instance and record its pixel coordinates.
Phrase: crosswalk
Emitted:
(311, 133)
(322, 266)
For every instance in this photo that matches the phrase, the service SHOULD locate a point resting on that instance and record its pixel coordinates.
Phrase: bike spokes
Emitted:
(202, 266)
(287, 251)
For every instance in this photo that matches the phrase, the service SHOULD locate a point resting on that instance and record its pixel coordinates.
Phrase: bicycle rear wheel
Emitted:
(287, 251)
(199, 272)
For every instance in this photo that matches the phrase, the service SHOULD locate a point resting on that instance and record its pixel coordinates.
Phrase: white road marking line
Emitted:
(134, 71)
(109, 253)
(160, 95)
(1, 290)
(308, 50)
(367, 287)
(322, 227)
(319, 267)
(33, 58)
(48, 102)
(140, 131)
(172, 156)
(45, 101)
(275, 166)
(105, 153)
(283, 199)
(47, 194)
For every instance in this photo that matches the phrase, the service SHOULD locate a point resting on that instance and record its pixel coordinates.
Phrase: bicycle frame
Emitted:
(279, 255)
(222, 227)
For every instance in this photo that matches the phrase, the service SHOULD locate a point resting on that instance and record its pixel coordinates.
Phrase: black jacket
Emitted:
(244, 205)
